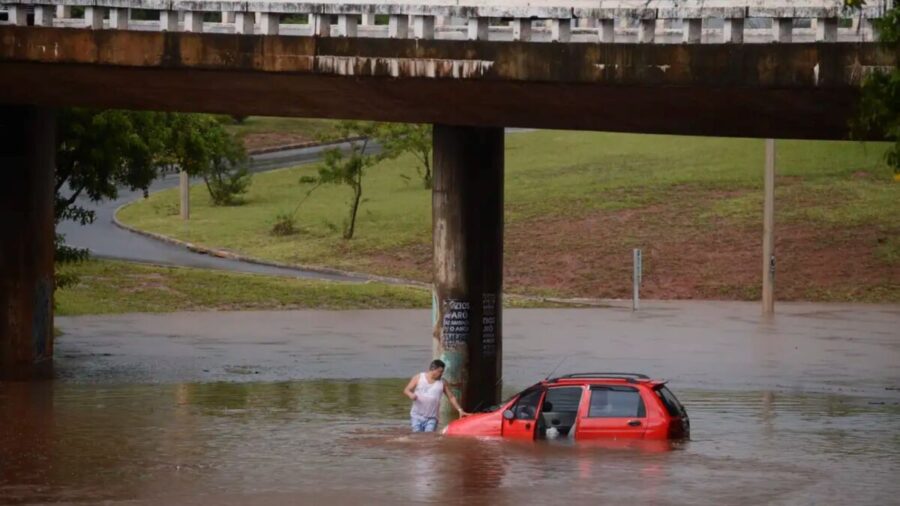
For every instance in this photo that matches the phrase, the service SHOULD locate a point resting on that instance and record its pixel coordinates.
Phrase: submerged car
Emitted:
(583, 406)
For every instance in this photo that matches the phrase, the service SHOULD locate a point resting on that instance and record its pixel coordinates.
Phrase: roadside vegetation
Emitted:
(578, 202)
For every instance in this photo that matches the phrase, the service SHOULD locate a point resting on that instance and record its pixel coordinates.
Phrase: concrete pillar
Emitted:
(347, 24)
(228, 17)
(560, 30)
(269, 23)
(782, 29)
(93, 18)
(607, 30)
(826, 29)
(647, 31)
(733, 31)
(398, 27)
(27, 155)
(478, 28)
(168, 21)
(692, 31)
(423, 27)
(43, 15)
(243, 23)
(118, 19)
(467, 220)
(521, 29)
(63, 11)
(321, 25)
(768, 285)
(193, 22)
(368, 19)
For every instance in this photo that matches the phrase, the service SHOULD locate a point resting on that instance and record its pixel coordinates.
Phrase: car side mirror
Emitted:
(508, 414)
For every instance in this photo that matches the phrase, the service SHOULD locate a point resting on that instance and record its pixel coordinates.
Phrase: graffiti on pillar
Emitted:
(489, 325)
(455, 328)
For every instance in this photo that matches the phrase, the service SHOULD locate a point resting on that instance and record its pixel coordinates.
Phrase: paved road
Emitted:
(105, 240)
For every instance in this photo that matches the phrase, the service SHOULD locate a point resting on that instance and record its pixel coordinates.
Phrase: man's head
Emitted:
(436, 369)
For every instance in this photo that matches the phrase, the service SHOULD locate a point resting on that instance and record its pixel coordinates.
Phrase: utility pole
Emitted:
(768, 285)
(185, 186)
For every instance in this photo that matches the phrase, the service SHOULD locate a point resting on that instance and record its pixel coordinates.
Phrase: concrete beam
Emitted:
(27, 154)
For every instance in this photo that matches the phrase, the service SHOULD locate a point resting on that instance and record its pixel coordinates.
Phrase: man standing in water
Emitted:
(425, 390)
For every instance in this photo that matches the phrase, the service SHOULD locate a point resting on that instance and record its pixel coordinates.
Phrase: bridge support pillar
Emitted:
(467, 220)
(27, 155)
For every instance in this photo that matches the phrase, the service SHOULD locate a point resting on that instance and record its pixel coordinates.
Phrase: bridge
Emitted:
(768, 69)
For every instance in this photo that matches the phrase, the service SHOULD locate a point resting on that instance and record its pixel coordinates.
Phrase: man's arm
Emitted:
(453, 401)
(409, 391)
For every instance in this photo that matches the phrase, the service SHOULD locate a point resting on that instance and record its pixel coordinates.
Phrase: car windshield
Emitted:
(504, 402)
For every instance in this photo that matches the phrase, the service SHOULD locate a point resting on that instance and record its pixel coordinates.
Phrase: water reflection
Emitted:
(348, 441)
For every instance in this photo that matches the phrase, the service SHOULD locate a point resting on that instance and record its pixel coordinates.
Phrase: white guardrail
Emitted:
(643, 21)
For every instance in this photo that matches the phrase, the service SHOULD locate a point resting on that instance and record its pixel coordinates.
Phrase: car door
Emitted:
(612, 412)
(522, 423)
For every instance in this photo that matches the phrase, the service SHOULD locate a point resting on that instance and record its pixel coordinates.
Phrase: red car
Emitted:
(584, 406)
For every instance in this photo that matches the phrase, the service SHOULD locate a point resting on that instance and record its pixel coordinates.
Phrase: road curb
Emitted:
(351, 276)
(300, 145)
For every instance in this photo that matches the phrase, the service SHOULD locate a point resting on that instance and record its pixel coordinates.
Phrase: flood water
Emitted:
(117, 438)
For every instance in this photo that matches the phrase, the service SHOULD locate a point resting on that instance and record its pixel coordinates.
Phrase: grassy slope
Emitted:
(119, 287)
(608, 193)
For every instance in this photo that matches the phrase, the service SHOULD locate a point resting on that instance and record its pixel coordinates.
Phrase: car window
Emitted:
(670, 401)
(616, 402)
(526, 406)
(562, 399)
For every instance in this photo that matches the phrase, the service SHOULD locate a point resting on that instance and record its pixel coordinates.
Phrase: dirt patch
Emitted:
(689, 253)
(262, 140)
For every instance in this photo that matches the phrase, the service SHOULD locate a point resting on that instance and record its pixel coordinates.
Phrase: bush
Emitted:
(284, 225)
(226, 185)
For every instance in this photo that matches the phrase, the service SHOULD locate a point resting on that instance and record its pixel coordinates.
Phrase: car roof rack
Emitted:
(630, 376)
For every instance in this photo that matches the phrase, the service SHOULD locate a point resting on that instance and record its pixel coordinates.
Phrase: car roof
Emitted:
(591, 378)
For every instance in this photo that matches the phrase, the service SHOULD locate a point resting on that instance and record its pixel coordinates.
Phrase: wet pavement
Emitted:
(305, 407)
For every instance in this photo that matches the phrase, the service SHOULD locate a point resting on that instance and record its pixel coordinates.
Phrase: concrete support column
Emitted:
(647, 31)
(193, 22)
(321, 25)
(733, 31)
(521, 29)
(93, 18)
(768, 285)
(467, 200)
(398, 26)
(347, 24)
(43, 15)
(269, 23)
(368, 19)
(27, 155)
(423, 27)
(607, 30)
(118, 19)
(63, 11)
(560, 30)
(228, 17)
(826, 29)
(782, 29)
(168, 21)
(243, 23)
(478, 28)
(692, 31)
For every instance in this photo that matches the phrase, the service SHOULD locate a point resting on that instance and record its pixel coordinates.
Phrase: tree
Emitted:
(416, 139)
(348, 166)
(100, 151)
(879, 106)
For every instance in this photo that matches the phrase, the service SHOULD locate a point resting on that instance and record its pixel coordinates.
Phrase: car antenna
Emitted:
(557, 367)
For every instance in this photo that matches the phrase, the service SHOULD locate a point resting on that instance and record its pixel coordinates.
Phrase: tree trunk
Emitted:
(357, 193)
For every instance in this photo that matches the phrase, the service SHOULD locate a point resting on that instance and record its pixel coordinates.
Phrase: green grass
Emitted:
(113, 287)
(107, 287)
(550, 175)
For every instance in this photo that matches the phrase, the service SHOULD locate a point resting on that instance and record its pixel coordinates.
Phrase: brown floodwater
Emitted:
(263, 408)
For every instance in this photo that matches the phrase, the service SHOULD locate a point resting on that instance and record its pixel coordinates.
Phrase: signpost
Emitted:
(636, 291)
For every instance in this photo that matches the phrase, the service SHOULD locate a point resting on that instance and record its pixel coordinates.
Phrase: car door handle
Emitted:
(634, 423)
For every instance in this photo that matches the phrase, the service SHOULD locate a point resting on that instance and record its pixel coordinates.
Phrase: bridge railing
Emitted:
(642, 21)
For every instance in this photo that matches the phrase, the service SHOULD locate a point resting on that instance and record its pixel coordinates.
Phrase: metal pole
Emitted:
(185, 186)
(636, 279)
(768, 285)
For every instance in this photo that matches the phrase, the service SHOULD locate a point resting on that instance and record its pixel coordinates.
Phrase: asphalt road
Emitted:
(105, 240)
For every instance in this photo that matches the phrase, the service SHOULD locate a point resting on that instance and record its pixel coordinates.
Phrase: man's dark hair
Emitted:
(437, 364)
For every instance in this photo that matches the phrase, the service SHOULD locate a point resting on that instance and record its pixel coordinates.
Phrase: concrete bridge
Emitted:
(729, 68)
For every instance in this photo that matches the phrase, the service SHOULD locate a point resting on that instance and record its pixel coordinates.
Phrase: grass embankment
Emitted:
(259, 132)
(577, 203)
(107, 287)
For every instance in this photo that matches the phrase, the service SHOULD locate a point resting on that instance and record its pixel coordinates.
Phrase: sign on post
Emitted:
(636, 290)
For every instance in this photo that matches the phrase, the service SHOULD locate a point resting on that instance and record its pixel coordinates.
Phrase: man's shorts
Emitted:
(422, 423)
